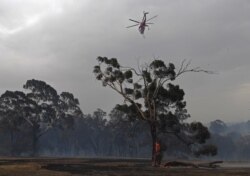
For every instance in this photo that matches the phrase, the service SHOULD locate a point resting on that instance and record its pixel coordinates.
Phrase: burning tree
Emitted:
(150, 96)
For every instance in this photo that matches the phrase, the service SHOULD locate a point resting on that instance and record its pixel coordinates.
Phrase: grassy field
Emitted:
(103, 167)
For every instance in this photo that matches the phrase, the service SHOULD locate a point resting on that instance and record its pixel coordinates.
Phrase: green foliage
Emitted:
(181, 104)
(128, 74)
(137, 86)
(157, 64)
(97, 69)
(69, 98)
(151, 96)
(169, 122)
(208, 150)
(40, 109)
(129, 91)
(217, 126)
(137, 94)
(112, 62)
(40, 91)
(147, 76)
(148, 86)
(160, 70)
(130, 110)
(201, 133)
(130, 81)
(175, 94)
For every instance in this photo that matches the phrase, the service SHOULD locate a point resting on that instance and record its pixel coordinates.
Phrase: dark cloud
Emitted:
(58, 42)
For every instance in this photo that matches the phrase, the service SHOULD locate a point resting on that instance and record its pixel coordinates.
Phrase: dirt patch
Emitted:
(103, 167)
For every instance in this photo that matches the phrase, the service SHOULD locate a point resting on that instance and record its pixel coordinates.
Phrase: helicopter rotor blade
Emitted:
(132, 26)
(149, 23)
(151, 18)
(134, 21)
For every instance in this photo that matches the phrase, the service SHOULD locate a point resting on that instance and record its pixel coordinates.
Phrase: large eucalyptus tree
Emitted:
(149, 95)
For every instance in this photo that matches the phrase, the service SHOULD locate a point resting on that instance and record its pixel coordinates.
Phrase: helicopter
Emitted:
(143, 24)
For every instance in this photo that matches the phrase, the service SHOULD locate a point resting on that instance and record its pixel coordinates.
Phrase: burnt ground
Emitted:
(104, 167)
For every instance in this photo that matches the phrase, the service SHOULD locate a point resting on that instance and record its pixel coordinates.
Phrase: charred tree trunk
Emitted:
(154, 137)
(34, 141)
(11, 142)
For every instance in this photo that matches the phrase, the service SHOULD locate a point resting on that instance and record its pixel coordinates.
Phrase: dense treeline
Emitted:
(41, 122)
(94, 135)
(104, 135)
(232, 140)
(90, 135)
(26, 117)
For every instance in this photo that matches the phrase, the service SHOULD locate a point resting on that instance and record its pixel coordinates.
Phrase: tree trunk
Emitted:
(154, 136)
(11, 142)
(34, 142)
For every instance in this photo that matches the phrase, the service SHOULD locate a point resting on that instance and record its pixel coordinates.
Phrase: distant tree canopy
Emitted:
(217, 126)
(150, 96)
(41, 108)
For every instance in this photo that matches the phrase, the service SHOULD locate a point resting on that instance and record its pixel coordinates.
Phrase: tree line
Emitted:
(153, 109)
(39, 121)
(232, 140)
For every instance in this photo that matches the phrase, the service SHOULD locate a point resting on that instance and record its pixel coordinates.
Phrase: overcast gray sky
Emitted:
(57, 41)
